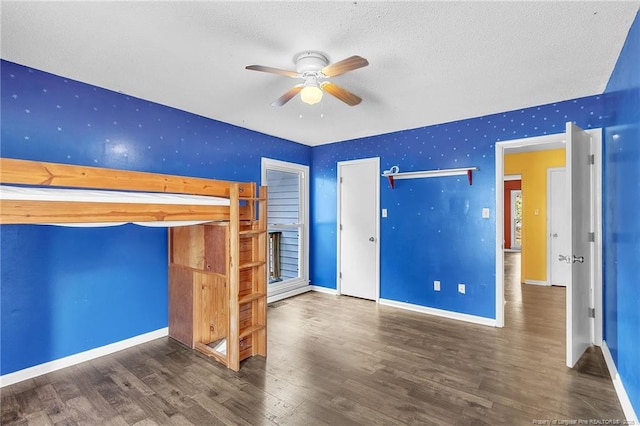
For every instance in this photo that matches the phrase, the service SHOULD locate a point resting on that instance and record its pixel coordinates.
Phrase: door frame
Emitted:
(549, 240)
(536, 143)
(376, 184)
(298, 285)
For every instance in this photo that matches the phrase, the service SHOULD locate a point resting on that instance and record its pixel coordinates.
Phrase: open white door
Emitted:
(578, 170)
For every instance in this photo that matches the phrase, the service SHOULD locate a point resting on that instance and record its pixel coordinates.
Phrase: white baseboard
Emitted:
(536, 282)
(440, 312)
(290, 293)
(326, 290)
(48, 367)
(625, 402)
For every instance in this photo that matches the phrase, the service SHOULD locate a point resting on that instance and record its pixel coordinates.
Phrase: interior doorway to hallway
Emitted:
(593, 183)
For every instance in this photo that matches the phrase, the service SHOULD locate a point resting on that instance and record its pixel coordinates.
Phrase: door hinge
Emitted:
(592, 312)
(340, 179)
(592, 237)
(341, 227)
(340, 275)
(591, 159)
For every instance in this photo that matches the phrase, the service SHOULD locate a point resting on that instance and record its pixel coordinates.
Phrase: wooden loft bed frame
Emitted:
(209, 301)
(25, 172)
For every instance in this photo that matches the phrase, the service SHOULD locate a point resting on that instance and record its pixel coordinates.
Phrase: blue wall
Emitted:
(64, 291)
(434, 229)
(621, 217)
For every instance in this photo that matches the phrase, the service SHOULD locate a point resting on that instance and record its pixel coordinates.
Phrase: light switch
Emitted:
(384, 212)
(485, 213)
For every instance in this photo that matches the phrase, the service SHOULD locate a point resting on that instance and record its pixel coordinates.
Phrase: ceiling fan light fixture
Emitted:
(313, 67)
(311, 94)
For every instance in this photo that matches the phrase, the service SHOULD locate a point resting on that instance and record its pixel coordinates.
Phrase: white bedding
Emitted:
(98, 196)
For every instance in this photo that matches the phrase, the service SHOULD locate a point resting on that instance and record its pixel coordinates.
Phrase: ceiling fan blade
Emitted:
(288, 95)
(340, 93)
(349, 64)
(272, 70)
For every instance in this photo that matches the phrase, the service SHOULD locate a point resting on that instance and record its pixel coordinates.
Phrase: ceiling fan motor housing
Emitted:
(310, 62)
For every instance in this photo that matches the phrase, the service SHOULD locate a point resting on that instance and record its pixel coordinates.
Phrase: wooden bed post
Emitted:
(233, 339)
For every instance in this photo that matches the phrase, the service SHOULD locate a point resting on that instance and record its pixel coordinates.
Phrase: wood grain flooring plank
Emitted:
(11, 410)
(407, 410)
(360, 413)
(336, 360)
(314, 413)
(220, 414)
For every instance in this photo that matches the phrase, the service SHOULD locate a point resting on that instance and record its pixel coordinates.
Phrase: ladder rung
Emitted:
(252, 264)
(252, 232)
(249, 331)
(250, 298)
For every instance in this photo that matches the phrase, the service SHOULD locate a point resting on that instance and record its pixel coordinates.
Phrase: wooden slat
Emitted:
(252, 264)
(251, 297)
(233, 336)
(249, 331)
(259, 346)
(26, 212)
(27, 172)
(201, 347)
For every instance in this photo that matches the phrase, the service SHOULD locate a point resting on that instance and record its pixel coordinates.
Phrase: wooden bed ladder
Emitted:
(247, 277)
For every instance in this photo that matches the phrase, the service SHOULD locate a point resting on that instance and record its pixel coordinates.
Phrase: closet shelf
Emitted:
(430, 173)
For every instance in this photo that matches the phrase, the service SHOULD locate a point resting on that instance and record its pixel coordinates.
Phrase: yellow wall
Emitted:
(532, 166)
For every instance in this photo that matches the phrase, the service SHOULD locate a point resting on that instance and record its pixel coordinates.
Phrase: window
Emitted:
(287, 215)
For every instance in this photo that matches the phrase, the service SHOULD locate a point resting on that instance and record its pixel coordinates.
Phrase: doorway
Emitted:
(358, 228)
(516, 219)
(544, 143)
(287, 226)
(512, 213)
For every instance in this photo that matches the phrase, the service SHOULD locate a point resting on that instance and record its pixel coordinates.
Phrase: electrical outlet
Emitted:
(461, 288)
(384, 212)
(436, 286)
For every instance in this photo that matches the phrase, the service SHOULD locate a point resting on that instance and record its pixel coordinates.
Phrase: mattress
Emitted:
(8, 192)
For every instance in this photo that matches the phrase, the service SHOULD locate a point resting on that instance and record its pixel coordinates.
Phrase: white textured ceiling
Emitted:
(430, 62)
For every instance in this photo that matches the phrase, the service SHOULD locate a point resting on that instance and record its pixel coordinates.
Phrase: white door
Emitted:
(358, 228)
(559, 222)
(578, 151)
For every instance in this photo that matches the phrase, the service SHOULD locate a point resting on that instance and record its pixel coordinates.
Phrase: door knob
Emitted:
(555, 235)
(579, 259)
(372, 239)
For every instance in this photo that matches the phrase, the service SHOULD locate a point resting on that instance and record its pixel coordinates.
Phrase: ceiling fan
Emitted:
(313, 67)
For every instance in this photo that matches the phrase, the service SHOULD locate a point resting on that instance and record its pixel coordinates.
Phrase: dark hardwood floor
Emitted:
(342, 361)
